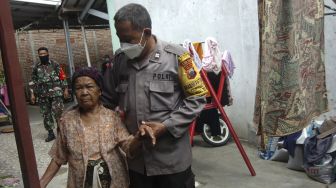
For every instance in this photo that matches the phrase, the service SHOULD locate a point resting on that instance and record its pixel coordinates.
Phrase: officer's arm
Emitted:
(109, 95)
(34, 86)
(34, 78)
(179, 120)
(193, 103)
(63, 81)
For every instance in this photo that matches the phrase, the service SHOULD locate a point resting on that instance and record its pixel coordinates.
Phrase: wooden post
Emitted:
(15, 85)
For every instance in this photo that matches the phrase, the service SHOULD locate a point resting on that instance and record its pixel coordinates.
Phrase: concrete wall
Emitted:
(330, 58)
(234, 23)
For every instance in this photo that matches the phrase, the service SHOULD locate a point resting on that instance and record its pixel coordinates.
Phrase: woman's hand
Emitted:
(146, 132)
(157, 127)
(49, 173)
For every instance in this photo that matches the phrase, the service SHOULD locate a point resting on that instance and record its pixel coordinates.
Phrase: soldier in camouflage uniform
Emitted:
(50, 87)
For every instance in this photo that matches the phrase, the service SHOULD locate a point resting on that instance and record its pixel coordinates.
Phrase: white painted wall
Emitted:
(234, 23)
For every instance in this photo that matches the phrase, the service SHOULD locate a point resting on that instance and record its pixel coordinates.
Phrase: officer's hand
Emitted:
(66, 94)
(147, 132)
(32, 99)
(158, 128)
(121, 113)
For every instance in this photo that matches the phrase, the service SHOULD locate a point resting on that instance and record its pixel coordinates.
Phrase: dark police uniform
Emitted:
(151, 91)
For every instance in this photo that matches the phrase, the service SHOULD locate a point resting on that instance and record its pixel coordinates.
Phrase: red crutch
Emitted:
(216, 104)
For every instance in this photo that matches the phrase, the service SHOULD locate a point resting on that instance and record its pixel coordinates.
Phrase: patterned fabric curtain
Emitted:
(291, 86)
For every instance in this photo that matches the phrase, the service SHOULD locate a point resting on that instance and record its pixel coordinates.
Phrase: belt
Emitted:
(97, 174)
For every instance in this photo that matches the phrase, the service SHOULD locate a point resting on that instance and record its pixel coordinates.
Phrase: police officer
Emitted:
(145, 86)
(50, 87)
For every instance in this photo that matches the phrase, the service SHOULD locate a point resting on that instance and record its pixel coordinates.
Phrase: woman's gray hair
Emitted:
(136, 14)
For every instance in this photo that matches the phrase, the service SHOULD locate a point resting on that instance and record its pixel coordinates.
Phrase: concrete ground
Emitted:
(214, 167)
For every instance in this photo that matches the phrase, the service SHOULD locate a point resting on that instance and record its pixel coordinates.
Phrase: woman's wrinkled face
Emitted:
(87, 92)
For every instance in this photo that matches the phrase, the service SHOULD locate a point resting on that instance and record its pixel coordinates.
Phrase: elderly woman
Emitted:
(90, 139)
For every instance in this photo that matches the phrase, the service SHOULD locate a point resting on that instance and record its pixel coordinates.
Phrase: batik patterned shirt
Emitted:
(71, 146)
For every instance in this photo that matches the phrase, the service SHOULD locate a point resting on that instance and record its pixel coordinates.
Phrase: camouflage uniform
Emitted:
(49, 89)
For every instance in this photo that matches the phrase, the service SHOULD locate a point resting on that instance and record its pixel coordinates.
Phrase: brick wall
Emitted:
(98, 40)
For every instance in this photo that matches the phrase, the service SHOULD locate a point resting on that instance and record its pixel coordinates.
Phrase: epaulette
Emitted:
(37, 64)
(117, 52)
(117, 55)
(175, 49)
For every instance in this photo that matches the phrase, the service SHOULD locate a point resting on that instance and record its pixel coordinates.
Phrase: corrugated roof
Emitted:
(28, 16)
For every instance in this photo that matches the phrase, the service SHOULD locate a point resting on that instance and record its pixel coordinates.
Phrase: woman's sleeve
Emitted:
(122, 136)
(58, 151)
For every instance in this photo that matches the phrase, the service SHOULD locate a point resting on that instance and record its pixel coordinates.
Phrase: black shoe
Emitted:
(51, 136)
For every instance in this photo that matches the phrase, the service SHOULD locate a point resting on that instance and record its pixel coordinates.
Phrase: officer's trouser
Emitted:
(184, 179)
(51, 107)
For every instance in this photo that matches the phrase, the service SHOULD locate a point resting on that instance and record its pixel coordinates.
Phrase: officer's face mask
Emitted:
(132, 50)
(44, 59)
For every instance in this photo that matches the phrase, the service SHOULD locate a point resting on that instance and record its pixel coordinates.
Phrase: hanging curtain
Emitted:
(291, 86)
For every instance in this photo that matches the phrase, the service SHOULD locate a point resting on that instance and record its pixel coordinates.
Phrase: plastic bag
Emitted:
(324, 173)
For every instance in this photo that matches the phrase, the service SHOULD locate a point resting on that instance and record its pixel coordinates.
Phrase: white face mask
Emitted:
(132, 50)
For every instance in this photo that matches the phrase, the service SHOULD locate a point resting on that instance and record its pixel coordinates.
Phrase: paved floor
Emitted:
(214, 167)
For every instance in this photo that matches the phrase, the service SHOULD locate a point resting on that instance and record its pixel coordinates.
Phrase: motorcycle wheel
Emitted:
(225, 134)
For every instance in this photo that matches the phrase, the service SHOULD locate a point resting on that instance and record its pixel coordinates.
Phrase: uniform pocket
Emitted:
(161, 95)
(122, 90)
